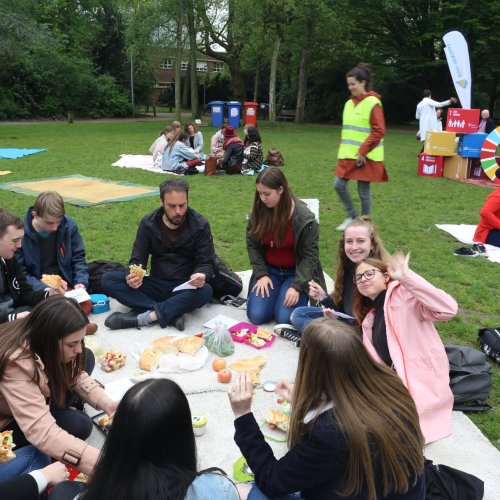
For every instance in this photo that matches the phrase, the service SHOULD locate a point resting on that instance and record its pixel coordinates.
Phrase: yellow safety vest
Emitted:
(356, 128)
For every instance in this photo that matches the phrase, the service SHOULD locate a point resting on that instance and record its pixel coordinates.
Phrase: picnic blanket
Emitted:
(144, 162)
(465, 234)
(81, 190)
(13, 153)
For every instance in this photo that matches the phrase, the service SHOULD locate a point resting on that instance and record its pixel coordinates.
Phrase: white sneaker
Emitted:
(344, 224)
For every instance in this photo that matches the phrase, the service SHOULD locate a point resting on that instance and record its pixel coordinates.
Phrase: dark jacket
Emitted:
(70, 254)
(21, 488)
(19, 288)
(306, 249)
(192, 253)
(315, 466)
(233, 155)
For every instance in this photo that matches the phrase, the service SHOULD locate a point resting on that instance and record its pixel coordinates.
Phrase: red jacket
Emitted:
(490, 217)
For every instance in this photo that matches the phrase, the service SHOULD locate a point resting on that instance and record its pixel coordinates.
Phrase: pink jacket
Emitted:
(25, 401)
(419, 358)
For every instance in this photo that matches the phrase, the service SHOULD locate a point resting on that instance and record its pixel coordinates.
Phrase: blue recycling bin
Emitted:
(217, 111)
(234, 113)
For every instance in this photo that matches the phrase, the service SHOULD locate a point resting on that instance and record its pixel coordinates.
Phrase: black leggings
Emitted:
(75, 422)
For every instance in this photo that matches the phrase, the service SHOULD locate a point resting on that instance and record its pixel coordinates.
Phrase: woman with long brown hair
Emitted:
(44, 367)
(282, 244)
(359, 241)
(396, 309)
(354, 431)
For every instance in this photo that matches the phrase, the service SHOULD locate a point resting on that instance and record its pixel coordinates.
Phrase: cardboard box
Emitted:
(476, 170)
(439, 143)
(469, 145)
(462, 121)
(430, 166)
(456, 167)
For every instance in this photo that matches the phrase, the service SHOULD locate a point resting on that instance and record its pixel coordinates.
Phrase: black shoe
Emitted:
(465, 252)
(479, 248)
(290, 334)
(118, 321)
(179, 323)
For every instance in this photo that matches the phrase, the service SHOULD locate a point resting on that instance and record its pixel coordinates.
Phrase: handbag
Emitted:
(210, 165)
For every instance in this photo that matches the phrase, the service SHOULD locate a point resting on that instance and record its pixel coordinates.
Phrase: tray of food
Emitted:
(103, 422)
(252, 335)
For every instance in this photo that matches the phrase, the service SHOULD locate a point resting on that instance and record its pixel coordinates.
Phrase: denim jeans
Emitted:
(263, 309)
(340, 185)
(156, 294)
(27, 459)
(302, 316)
(256, 494)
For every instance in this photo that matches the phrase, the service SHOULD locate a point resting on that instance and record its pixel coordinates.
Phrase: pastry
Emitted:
(137, 270)
(165, 345)
(6, 445)
(106, 422)
(264, 333)
(251, 365)
(278, 419)
(189, 345)
(150, 359)
(52, 280)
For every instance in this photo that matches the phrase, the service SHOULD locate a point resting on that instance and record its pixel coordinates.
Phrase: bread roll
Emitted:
(150, 359)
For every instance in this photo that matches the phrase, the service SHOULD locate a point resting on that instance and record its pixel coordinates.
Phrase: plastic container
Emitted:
(217, 112)
(233, 113)
(100, 303)
(199, 424)
(251, 113)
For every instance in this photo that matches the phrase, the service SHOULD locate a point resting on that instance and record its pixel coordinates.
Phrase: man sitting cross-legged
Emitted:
(180, 243)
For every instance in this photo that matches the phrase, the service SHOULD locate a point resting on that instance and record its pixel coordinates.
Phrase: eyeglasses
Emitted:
(369, 274)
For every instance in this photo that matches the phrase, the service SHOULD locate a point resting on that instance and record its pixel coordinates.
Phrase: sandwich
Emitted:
(52, 280)
(137, 270)
(6, 445)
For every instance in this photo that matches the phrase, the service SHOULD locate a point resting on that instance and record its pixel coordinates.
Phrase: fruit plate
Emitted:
(273, 434)
(246, 338)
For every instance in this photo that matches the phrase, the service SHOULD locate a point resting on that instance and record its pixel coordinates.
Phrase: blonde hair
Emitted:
(371, 405)
(377, 250)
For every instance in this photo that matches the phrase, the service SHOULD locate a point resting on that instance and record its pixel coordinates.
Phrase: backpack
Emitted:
(96, 270)
(446, 483)
(274, 158)
(470, 378)
(225, 281)
(489, 340)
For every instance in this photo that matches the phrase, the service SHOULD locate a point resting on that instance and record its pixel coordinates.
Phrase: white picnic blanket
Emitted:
(465, 234)
(144, 162)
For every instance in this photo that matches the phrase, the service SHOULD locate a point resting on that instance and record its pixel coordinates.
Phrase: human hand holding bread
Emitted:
(136, 275)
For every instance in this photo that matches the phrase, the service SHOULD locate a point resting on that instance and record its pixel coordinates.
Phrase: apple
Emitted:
(224, 376)
(218, 364)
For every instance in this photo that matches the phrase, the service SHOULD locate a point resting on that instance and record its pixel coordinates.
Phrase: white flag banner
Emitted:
(457, 55)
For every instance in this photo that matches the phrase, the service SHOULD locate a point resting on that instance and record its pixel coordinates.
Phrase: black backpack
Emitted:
(470, 378)
(225, 281)
(99, 267)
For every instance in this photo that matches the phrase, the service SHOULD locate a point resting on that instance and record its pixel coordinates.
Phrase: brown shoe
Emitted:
(91, 329)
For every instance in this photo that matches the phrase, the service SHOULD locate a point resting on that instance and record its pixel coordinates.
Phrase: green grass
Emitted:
(405, 209)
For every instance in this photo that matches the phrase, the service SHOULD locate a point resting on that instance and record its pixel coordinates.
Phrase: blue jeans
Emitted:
(263, 309)
(27, 459)
(256, 494)
(156, 294)
(302, 316)
(340, 185)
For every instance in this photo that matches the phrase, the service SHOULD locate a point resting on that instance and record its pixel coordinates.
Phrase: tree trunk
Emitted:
(256, 86)
(272, 79)
(303, 70)
(195, 106)
(185, 89)
(237, 81)
(178, 68)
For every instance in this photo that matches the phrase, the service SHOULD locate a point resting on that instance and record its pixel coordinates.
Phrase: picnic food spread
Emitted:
(51, 280)
(6, 445)
(112, 360)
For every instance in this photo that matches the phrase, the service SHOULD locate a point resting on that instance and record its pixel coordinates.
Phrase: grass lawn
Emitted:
(405, 209)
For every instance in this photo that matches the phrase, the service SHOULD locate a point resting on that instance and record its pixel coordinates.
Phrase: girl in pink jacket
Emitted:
(396, 309)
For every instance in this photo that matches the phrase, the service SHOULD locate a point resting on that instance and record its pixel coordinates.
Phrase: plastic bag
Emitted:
(219, 340)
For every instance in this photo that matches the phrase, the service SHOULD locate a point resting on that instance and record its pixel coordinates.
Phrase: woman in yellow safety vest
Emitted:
(361, 151)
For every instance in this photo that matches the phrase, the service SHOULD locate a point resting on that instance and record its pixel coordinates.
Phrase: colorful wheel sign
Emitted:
(488, 160)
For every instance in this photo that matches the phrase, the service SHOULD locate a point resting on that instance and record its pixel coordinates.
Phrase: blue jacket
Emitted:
(176, 156)
(70, 254)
